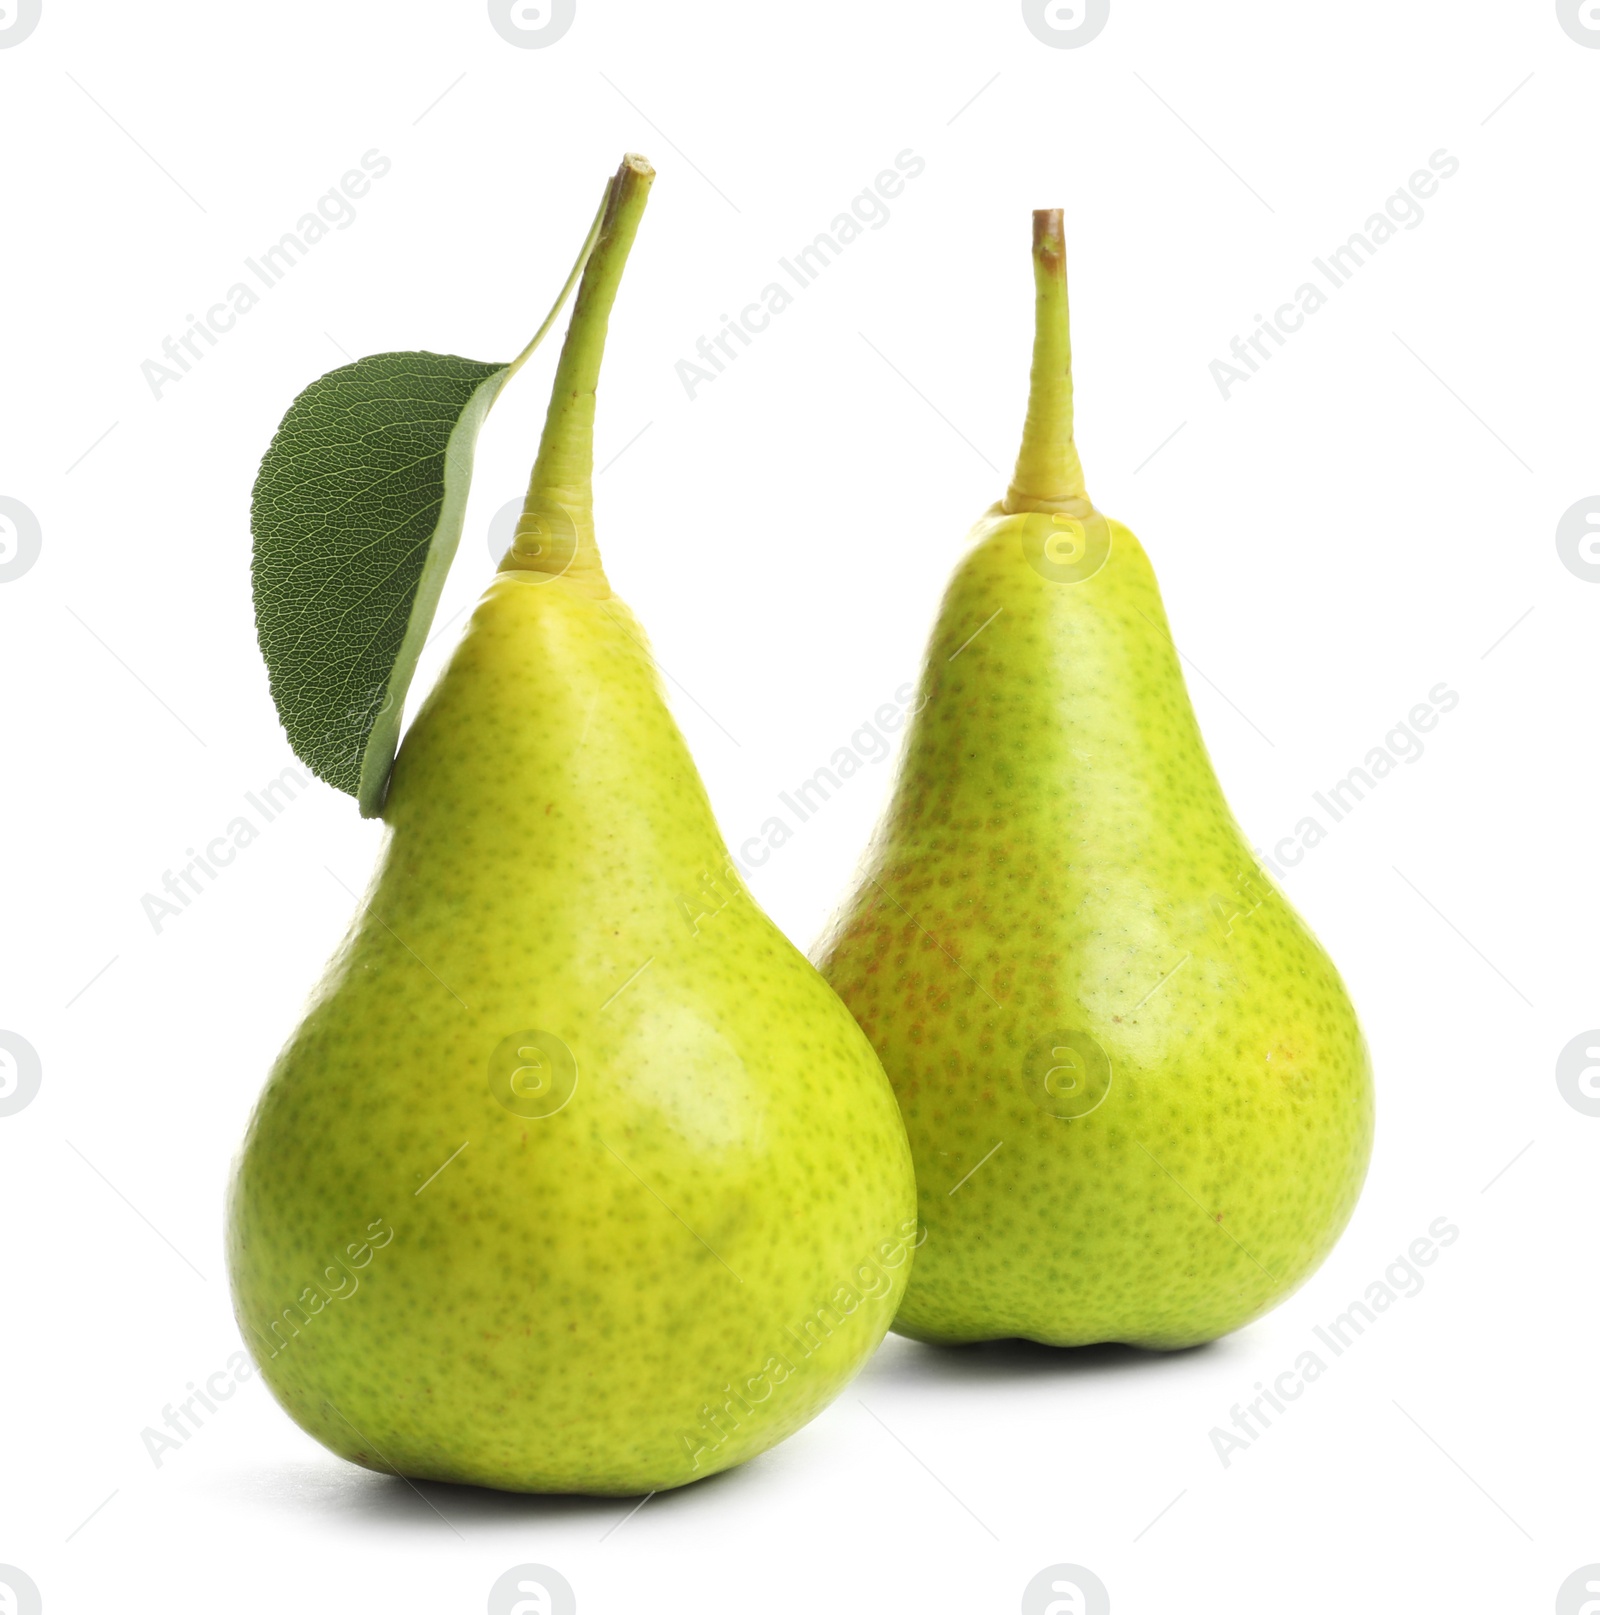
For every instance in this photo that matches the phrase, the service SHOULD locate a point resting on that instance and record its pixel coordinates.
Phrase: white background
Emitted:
(1372, 514)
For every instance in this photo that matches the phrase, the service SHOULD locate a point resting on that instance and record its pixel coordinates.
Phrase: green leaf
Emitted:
(356, 515)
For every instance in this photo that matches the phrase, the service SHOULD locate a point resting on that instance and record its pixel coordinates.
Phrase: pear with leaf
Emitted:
(576, 1177)
(1139, 1101)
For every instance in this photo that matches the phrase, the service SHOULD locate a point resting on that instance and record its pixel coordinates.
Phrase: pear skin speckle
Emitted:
(576, 1177)
(1139, 1102)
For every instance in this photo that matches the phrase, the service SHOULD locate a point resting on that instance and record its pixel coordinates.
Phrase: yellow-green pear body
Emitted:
(1139, 1102)
(576, 1177)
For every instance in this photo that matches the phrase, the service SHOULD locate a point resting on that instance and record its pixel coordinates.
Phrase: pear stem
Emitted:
(1048, 474)
(555, 532)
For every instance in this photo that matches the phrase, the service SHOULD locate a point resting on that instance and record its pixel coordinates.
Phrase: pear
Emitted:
(576, 1176)
(1139, 1102)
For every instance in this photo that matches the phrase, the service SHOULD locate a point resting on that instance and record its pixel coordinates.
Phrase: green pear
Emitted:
(1139, 1102)
(576, 1177)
